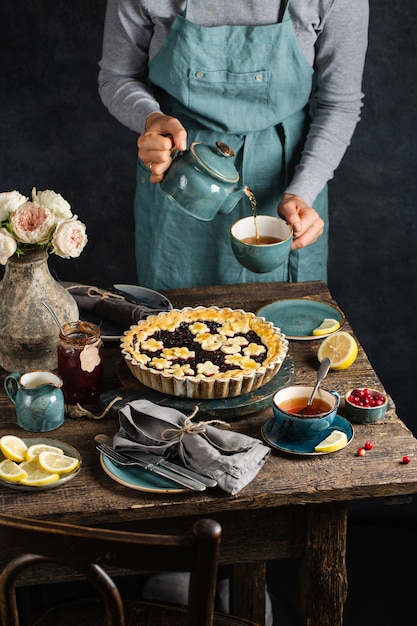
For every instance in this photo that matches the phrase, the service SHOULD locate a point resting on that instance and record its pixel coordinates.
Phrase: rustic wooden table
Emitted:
(296, 506)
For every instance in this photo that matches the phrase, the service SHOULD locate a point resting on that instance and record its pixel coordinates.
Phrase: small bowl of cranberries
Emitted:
(365, 406)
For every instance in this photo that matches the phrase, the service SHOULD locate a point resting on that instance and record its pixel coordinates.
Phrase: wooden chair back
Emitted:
(91, 550)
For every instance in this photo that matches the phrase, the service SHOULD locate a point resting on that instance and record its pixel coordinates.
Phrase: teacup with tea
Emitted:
(261, 243)
(296, 419)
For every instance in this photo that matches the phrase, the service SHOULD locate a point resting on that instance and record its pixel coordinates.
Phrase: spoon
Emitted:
(58, 323)
(321, 375)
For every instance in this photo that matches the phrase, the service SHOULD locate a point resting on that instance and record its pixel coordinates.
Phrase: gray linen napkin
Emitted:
(233, 459)
(107, 305)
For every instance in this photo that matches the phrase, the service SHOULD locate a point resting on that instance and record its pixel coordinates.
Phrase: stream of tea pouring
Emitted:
(321, 375)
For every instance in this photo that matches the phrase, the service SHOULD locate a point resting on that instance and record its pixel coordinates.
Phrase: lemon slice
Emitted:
(328, 325)
(335, 441)
(34, 450)
(37, 477)
(55, 462)
(340, 348)
(11, 471)
(13, 447)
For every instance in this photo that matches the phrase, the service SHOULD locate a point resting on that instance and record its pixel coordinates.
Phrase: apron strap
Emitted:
(283, 10)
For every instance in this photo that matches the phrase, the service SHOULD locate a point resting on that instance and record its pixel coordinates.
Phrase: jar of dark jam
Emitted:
(80, 362)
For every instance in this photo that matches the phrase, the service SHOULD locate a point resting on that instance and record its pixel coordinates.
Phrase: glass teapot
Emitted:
(203, 181)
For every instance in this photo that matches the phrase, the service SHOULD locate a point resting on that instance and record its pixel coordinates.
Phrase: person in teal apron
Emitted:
(248, 86)
(253, 95)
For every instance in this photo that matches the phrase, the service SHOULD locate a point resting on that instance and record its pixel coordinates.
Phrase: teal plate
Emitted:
(228, 408)
(139, 479)
(298, 318)
(271, 434)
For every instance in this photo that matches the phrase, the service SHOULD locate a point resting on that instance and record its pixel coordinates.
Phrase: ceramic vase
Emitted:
(28, 334)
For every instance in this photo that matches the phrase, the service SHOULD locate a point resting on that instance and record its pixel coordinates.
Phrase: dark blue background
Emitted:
(56, 134)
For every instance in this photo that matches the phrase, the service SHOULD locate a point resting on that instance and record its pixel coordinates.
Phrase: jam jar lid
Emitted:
(217, 160)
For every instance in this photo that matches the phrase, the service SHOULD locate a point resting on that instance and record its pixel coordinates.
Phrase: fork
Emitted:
(121, 459)
(150, 457)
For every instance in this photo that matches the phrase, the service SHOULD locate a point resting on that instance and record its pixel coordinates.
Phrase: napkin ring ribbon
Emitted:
(95, 292)
(190, 428)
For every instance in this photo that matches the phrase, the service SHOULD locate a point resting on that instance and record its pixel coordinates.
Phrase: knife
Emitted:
(129, 296)
(174, 467)
(186, 478)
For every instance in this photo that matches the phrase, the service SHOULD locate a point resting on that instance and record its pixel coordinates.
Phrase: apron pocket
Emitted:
(229, 98)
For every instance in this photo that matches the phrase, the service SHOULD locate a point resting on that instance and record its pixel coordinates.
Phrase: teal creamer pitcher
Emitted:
(38, 399)
(203, 181)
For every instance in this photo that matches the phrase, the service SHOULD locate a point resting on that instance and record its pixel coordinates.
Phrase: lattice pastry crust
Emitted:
(204, 352)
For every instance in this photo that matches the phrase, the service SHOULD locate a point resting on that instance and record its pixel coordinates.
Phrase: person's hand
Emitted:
(164, 135)
(306, 223)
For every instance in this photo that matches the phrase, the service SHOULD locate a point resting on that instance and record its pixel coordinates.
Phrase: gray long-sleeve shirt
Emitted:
(332, 34)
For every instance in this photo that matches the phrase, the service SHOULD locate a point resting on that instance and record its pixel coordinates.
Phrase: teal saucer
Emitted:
(270, 433)
(298, 318)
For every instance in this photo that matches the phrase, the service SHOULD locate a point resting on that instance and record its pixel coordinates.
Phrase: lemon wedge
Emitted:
(34, 450)
(37, 477)
(55, 462)
(13, 447)
(328, 325)
(335, 441)
(341, 348)
(11, 471)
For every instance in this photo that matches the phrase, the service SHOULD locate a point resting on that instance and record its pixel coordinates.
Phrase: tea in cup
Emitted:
(297, 420)
(38, 399)
(261, 243)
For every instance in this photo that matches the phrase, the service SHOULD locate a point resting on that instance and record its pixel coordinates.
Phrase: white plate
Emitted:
(68, 450)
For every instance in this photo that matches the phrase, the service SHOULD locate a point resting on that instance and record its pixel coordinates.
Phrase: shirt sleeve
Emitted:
(123, 77)
(337, 97)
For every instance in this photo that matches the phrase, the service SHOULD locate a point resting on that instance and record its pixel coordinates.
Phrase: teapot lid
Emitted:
(216, 159)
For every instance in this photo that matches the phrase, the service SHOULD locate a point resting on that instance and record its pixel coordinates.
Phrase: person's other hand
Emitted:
(306, 223)
(164, 135)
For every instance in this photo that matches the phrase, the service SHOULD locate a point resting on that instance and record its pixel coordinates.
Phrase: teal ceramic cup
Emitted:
(287, 401)
(263, 257)
(365, 414)
(38, 399)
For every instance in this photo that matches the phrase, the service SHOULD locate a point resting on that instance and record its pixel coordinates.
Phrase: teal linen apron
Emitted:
(248, 86)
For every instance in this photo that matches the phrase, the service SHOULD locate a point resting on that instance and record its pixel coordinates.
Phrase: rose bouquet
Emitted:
(45, 222)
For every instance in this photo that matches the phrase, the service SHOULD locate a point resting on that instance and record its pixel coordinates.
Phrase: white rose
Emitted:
(69, 238)
(32, 223)
(9, 201)
(53, 201)
(7, 245)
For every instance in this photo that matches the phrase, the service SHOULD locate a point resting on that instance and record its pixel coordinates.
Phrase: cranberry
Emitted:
(361, 452)
(368, 445)
(406, 459)
(366, 398)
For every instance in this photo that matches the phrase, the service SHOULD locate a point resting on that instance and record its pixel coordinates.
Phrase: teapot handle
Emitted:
(11, 385)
